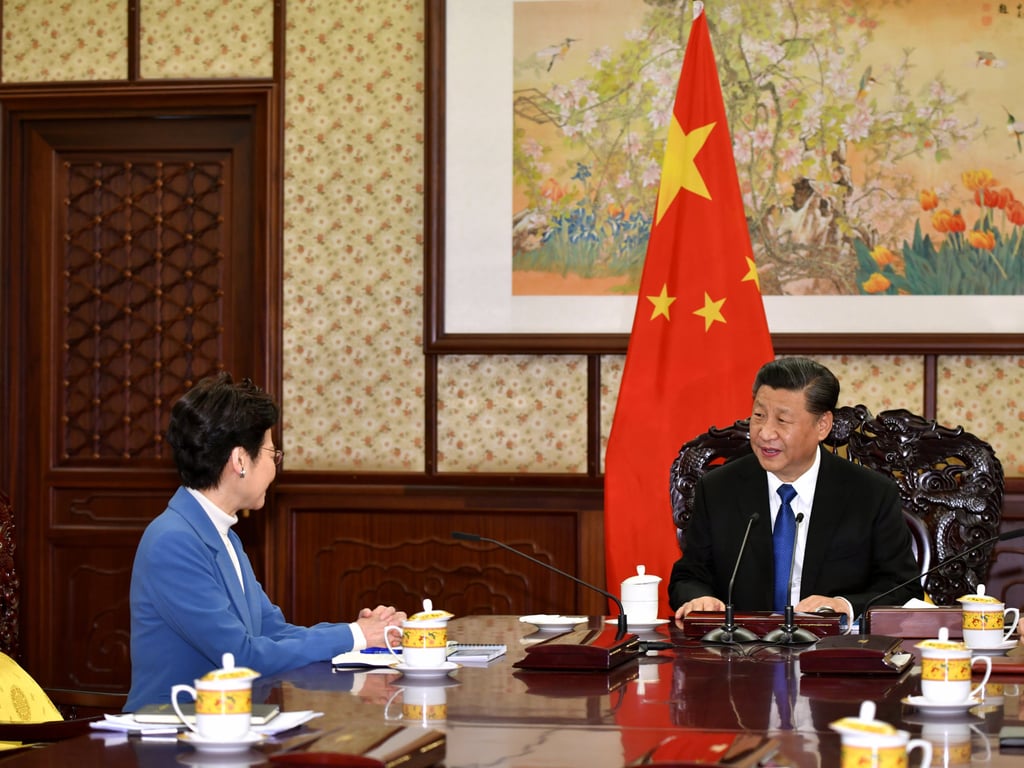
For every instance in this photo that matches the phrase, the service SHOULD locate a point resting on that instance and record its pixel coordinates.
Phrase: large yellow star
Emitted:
(661, 303)
(711, 311)
(752, 274)
(679, 170)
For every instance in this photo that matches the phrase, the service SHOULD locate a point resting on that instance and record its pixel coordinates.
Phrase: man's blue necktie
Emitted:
(783, 696)
(783, 538)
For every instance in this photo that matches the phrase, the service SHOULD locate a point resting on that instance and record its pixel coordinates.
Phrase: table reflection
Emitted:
(515, 715)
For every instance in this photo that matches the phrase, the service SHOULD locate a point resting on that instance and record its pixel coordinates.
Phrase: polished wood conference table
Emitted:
(498, 716)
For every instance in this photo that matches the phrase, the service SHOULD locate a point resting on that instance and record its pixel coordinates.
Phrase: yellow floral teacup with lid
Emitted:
(870, 742)
(987, 622)
(424, 638)
(223, 702)
(946, 670)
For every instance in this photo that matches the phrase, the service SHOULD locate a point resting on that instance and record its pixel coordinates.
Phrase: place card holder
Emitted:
(914, 623)
(582, 650)
(856, 655)
(699, 623)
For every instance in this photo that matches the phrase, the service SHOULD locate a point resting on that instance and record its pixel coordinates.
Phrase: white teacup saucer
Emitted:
(998, 650)
(217, 746)
(640, 626)
(548, 622)
(931, 708)
(426, 672)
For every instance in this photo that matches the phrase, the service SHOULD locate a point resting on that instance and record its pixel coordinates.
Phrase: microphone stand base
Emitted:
(790, 635)
(729, 634)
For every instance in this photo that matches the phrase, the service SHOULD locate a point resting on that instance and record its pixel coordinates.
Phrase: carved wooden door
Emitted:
(137, 253)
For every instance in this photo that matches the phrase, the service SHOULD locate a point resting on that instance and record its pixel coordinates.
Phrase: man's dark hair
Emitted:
(818, 383)
(210, 420)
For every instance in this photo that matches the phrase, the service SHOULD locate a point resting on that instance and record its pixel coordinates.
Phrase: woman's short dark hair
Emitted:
(210, 420)
(818, 383)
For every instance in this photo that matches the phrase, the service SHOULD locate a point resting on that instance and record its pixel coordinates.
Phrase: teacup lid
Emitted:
(229, 671)
(942, 642)
(642, 577)
(429, 614)
(980, 598)
(864, 723)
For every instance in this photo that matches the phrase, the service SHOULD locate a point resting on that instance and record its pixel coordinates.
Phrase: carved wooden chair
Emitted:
(29, 714)
(9, 584)
(950, 481)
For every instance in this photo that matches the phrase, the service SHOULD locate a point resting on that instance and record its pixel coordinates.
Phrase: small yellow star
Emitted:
(679, 171)
(711, 311)
(661, 303)
(752, 274)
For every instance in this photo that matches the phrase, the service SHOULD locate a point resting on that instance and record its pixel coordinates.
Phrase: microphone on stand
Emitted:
(729, 632)
(959, 556)
(622, 622)
(788, 633)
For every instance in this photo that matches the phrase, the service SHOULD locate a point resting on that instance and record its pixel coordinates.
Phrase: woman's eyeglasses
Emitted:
(278, 454)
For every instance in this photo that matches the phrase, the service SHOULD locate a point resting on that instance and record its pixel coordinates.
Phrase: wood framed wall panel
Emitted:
(87, 507)
(340, 549)
(89, 613)
(93, 535)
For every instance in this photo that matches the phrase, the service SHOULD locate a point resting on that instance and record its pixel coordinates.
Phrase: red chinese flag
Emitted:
(699, 334)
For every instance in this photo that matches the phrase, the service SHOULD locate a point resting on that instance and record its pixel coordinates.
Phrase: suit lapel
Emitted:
(753, 497)
(252, 588)
(227, 570)
(825, 512)
(192, 510)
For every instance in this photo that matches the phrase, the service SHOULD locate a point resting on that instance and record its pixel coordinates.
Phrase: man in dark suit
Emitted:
(851, 542)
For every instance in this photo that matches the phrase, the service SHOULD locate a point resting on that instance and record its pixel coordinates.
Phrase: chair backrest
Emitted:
(950, 481)
(24, 700)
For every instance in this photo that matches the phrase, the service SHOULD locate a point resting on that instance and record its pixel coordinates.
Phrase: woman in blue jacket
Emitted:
(193, 593)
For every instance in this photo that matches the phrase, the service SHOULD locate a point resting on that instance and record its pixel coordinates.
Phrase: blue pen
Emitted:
(379, 649)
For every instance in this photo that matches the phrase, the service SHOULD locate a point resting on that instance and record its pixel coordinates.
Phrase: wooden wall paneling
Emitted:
(90, 611)
(89, 553)
(344, 548)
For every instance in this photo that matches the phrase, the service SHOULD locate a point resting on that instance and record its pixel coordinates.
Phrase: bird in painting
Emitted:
(1014, 127)
(556, 52)
(866, 81)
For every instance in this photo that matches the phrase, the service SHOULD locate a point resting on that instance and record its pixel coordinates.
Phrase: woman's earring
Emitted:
(242, 473)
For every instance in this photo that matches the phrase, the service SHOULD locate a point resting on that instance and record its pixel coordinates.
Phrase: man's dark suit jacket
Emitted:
(858, 545)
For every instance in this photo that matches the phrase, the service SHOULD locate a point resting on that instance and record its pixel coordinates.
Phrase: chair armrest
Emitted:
(76, 704)
(54, 730)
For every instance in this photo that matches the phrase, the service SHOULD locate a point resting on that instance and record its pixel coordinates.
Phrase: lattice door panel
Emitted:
(143, 307)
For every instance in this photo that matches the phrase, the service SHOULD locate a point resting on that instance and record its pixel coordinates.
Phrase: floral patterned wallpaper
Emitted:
(353, 246)
(986, 396)
(530, 415)
(353, 349)
(52, 41)
(206, 38)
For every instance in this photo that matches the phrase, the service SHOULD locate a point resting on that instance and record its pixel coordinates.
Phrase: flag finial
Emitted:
(698, 9)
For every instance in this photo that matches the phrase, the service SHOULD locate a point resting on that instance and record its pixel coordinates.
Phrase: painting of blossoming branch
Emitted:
(878, 143)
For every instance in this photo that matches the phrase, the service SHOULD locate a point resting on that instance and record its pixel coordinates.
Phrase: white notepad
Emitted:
(475, 652)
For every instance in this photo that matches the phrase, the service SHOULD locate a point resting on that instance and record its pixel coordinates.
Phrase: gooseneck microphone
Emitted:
(959, 556)
(729, 632)
(618, 603)
(788, 633)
